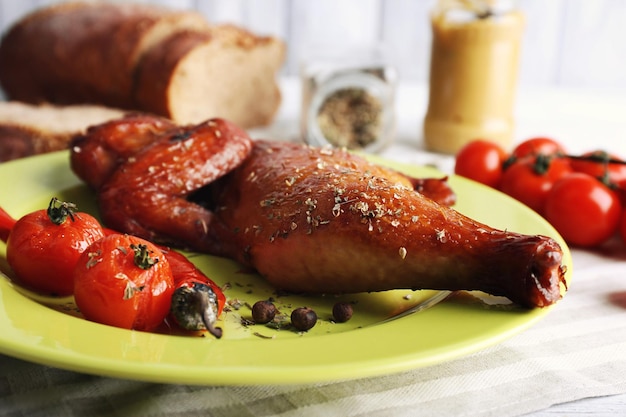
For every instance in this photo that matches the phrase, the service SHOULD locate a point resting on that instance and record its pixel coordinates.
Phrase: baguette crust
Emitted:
(144, 58)
(84, 52)
(20, 141)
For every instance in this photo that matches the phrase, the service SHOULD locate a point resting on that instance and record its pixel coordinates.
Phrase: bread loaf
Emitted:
(228, 64)
(34, 129)
(142, 57)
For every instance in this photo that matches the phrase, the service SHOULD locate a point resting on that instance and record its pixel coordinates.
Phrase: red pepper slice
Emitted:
(6, 224)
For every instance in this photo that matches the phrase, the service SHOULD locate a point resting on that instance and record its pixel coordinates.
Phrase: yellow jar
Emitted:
(473, 74)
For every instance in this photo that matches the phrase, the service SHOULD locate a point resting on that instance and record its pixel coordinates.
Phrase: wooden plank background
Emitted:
(571, 43)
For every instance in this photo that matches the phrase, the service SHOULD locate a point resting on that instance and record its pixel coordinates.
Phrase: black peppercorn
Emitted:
(303, 318)
(342, 312)
(263, 312)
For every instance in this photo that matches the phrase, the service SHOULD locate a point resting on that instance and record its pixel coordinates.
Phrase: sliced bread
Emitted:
(141, 57)
(34, 129)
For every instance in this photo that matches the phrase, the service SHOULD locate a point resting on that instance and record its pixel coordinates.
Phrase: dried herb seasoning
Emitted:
(351, 118)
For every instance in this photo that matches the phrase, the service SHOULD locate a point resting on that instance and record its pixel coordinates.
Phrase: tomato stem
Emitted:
(542, 164)
(58, 211)
(599, 157)
(209, 317)
(509, 161)
(142, 256)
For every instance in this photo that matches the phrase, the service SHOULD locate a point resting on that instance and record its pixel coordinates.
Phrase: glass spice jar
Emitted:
(473, 73)
(348, 99)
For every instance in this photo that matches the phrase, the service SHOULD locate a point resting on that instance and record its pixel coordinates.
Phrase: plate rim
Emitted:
(259, 374)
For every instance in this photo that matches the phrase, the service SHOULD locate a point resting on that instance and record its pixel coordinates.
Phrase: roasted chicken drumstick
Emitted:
(313, 220)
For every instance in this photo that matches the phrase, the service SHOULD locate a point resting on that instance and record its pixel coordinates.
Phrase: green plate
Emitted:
(50, 331)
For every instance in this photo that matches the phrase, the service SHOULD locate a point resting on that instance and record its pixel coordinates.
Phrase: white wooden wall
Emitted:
(572, 43)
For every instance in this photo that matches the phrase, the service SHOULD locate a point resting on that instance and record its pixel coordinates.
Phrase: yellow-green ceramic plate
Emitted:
(49, 331)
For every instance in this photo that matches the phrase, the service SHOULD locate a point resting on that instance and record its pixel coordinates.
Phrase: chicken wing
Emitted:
(144, 169)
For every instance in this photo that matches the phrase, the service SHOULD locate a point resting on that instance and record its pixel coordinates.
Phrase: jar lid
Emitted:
(468, 10)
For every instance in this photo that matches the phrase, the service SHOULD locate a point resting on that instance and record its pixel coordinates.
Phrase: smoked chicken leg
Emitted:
(317, 220)
(325, 221)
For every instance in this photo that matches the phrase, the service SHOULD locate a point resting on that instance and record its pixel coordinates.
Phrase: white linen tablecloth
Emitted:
(578, 351)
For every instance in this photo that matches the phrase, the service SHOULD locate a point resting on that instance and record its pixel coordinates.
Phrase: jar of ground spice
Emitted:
(348, 101)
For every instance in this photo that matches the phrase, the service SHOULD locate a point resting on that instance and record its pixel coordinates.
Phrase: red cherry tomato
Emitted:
(596, 164)
(124, 281)
(44, 246)
(530, 179)
(538, 146)
(622, 225)
(481, 161)
(583, 210)
(620, 190)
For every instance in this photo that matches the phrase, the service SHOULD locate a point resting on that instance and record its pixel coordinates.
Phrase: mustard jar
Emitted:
(473, 73)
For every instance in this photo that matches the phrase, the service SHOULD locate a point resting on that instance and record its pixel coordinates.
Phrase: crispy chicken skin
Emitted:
(96, 155)
(325, 221)
(313, 220)
(146, 193)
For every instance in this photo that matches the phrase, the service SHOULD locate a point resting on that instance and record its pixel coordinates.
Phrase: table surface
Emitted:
(608, 406)
(582, 120)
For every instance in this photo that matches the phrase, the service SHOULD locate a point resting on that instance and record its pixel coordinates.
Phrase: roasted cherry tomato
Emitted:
(44, 246)
(583, 210)
(530, 179)
(124, 281)
(481, 161)
(538, 146)
(197, 301)
(597, 165)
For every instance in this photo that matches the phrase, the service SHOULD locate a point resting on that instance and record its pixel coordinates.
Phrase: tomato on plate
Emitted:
(538, 146)
(481, 161)
(596, 164)
(44, 246)
(124, 281)
(622, 225)
(583, 210)
(530, 179)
